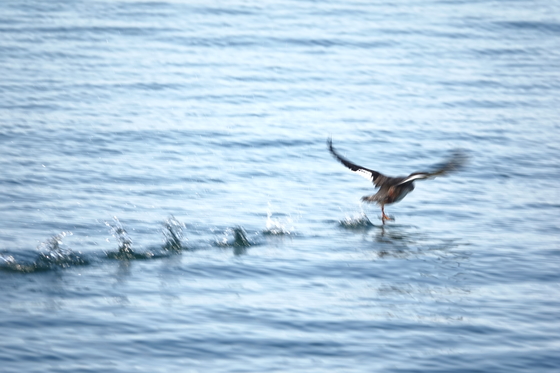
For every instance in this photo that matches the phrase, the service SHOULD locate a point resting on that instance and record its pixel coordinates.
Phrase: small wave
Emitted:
(359, 221)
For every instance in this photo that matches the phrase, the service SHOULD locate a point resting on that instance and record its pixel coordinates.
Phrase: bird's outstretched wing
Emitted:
(375, 177)
(456, 161)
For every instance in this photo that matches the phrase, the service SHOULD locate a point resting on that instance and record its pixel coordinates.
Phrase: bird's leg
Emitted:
(383, 216)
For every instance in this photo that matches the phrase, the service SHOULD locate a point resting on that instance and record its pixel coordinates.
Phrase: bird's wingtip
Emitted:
(459, 159)
(456, 161)
(329, 144)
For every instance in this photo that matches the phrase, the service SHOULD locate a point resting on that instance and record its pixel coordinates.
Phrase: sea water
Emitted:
(168, 202)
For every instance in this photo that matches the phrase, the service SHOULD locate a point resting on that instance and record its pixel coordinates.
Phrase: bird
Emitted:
(394, 189)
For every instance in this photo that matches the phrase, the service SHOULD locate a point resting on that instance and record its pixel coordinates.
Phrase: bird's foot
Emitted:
(386, 217)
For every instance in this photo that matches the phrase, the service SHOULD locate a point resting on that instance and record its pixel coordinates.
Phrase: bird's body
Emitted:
(394, 189)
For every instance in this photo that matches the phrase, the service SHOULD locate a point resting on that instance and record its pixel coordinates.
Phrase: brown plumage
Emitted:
(393, 189)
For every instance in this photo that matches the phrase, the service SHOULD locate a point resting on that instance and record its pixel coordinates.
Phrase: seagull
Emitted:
(393, 189)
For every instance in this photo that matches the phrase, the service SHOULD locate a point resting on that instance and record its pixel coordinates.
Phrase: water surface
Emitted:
(168, 201)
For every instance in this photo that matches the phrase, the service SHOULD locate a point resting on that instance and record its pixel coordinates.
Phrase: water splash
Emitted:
(357, 222)
(239, 239)
(173, 232)
(274, 227)
(52, 256)
(125, 251)
(10, 264)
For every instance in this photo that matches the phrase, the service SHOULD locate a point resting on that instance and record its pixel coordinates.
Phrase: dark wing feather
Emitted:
(456, 161)
(375, 177)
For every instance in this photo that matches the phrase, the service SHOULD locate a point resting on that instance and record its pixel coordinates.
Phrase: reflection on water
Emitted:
(123, 271)
(421, 272)
(400, 240)
(395, 241)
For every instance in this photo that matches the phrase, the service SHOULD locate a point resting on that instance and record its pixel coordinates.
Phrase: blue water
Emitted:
(168, 202)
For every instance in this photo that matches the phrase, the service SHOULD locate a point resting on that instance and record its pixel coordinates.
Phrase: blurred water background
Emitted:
(168, 202)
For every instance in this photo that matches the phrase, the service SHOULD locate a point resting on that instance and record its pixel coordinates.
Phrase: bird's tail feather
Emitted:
(370, 199)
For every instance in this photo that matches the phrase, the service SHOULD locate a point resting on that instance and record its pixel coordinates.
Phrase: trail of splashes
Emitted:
(173, 232)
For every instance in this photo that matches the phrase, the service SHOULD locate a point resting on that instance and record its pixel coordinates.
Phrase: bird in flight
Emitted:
(393, 189)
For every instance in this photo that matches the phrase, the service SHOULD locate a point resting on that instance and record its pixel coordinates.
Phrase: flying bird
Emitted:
(393, 189)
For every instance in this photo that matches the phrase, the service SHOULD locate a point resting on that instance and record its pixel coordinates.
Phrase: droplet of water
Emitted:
(173, 232)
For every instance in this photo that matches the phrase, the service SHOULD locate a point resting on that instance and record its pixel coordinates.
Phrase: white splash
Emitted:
(276, 227)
